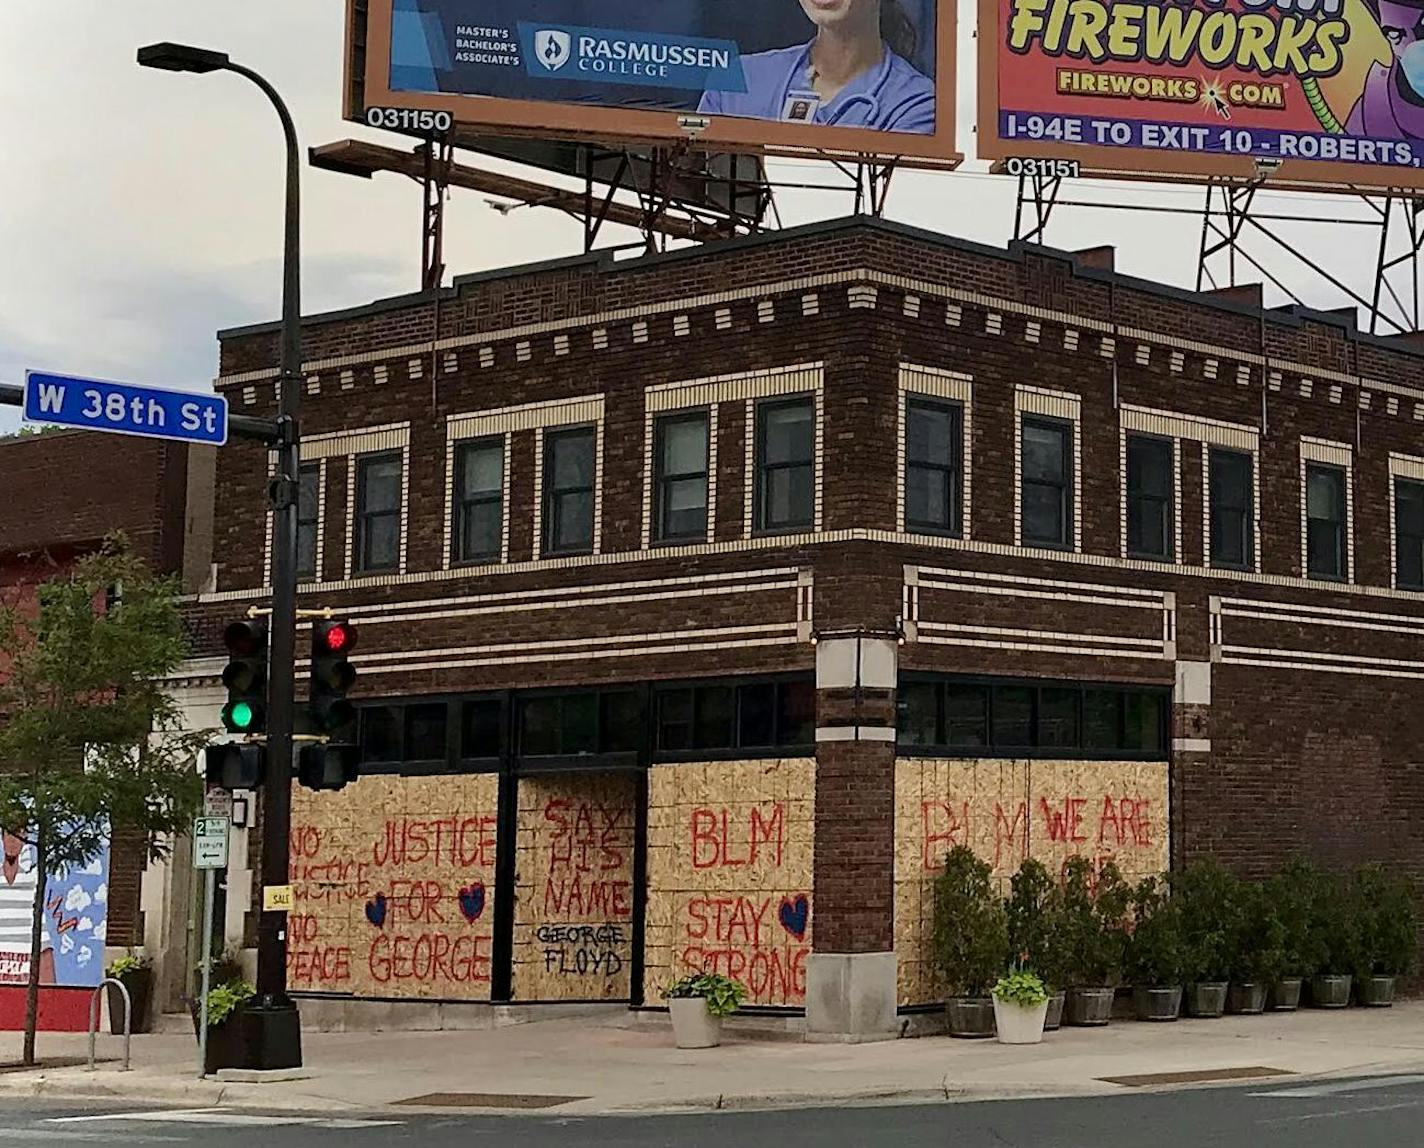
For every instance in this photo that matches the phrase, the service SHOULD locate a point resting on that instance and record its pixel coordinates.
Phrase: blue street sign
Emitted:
(122, 408)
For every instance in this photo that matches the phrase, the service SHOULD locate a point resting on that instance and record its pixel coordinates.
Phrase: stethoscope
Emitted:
(842, 103)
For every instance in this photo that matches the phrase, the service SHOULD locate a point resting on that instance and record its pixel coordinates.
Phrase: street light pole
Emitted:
(276, 1039)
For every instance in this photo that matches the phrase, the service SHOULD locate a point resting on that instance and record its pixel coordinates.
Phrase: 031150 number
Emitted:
(1053, 168)
(410, 120)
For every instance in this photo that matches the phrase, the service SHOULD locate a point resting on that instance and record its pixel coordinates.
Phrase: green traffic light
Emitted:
(242, 716)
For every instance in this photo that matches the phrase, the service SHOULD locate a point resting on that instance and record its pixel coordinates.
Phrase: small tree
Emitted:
(971, 937)
(89, 737)
(1207, 894)
(1095, 907)
(1038, 930)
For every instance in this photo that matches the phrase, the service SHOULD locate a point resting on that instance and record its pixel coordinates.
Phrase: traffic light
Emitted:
(331, 676)
(327, 766)
(235, 764)
(246, 677)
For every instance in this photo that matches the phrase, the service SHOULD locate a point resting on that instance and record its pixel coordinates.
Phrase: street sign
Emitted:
(123, 408)
(217, 802)
(277, 899)
(210, 842)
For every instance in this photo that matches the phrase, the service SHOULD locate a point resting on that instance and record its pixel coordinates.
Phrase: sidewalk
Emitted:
(618, 1062)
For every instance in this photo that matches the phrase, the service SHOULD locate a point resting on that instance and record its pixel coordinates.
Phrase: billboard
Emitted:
(1323, 93)
(75, 924)
(852, 77)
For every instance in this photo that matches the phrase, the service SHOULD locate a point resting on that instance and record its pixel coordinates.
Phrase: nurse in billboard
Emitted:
(854, 73)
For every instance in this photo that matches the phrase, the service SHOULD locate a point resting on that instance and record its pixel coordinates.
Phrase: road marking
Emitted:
(230, 1119)
(48, 1136)
(1344, 1086)
(1337, 1112)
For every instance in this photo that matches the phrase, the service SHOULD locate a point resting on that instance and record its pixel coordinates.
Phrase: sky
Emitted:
(141, 211)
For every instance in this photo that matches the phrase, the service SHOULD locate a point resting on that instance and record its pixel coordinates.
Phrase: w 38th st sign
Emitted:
(123, 408)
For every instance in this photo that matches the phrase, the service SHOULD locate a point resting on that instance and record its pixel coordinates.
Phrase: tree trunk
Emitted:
(32, 993)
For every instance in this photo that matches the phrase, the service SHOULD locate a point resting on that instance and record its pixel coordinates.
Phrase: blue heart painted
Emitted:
(472, 902)
(795, 915)
(376, 910)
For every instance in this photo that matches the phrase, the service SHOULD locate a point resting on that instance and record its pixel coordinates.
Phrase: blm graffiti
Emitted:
(730, 875)
(393, 885)
(574, 890)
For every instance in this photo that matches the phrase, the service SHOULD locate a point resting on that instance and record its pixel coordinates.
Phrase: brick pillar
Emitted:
(1191, 752)
(850, 985)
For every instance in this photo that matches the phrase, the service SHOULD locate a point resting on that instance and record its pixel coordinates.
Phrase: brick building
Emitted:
(64, 492)
(650, 558)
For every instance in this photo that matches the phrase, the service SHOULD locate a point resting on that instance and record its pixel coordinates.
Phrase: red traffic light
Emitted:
(336, 637)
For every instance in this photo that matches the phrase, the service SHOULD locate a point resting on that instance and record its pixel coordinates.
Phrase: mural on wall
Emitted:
(75, 923)
(393, 882)
(573, 916)
(1007, 811)
(730, 875)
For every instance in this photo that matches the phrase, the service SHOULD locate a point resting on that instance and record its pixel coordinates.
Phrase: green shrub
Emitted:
(1206, 893)
(1021, 988)
(971, 936)
(1156, 953)
(1257, 952)
(1095, 914)
(127, 966)
(1335, 926)
(1386, 922)
(722, 994)
(226, 999)
(1037, 923)
(1292, 890)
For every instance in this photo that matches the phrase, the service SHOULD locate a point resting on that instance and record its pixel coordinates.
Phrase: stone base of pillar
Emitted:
(850, 998)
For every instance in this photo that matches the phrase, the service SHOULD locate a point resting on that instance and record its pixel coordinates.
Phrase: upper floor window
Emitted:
(580, 724)
(1325, 521)
(479, 500)
(934, 465)
(378, 512)
(680, 479)
(719, 717)
(1150, 496)
(1046, 497)
(1232, 509)
(1409, 534)
(570, 464)
(785, 464)
(308, 518)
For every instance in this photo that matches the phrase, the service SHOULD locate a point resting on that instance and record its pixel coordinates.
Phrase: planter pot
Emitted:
(1285, 995)
(140, 986)
(1206, 999)
(692, 1025)
(1330, 991)
(1157, 1004)
(1375, 992)
(970, 1017)
(1053, 1019)
(1019, 1024)
(1246, 999)
(227, 1042)
(1088, 1007)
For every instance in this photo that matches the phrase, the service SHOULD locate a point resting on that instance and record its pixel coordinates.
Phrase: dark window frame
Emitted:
(312, 523)
(553, 494)
(1167, 502)
(1342, 528)
(1400, 537)
(454, 760)
(760, 491)
(602, 758)
(461, 503)
(777, 749)
(662, 480)
(1248, 511)
(361, 564)
(1063, 427)
(1038, 750)
(953, 469)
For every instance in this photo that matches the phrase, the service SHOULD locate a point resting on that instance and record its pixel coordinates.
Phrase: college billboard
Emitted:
(858, 77)
(1323, 93)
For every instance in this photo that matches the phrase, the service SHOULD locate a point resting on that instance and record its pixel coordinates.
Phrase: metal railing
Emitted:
(94, 1019)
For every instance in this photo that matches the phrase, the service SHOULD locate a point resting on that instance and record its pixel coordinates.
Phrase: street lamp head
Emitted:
(181, 58)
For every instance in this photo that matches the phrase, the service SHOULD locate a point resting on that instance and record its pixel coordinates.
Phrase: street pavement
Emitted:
(1373, 1112)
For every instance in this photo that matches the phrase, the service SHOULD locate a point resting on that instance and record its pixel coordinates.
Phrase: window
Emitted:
(425, 727)
(308, 514)
(785, 469)
(378, 512)
(1232, 510)
(934, 438)
(1007, 719)
(1325, 521)
(569, 467)
(1409, 534)
(579, 724)
(730, 716)
(1149, 497)
(478, 512)
(481, 727)
(680, 483)
(1046, 499)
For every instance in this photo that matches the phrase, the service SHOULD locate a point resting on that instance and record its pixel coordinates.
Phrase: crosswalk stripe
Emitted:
(1314, 1090)
(230, 1119)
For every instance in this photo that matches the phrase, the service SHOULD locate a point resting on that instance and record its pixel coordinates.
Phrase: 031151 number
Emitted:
(1053, 168)
(410, 120)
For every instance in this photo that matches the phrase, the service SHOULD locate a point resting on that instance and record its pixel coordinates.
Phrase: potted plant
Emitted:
(698, 1003)
(1037, 932)
(1154, 958)
(1388, 934)
(1335, 928)
(971, 941)
(1206, 892)
(1291, 892)
(136, 975)
(1095, 908)
(1020, 1007)
(226, 1043)
(1257, 950)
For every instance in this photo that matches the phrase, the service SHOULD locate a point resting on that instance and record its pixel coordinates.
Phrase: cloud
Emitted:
(85, 924)
(86, 954)
(77, 899)
(95, 868)
(66, 943)
(101, 930)
(101, 894)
